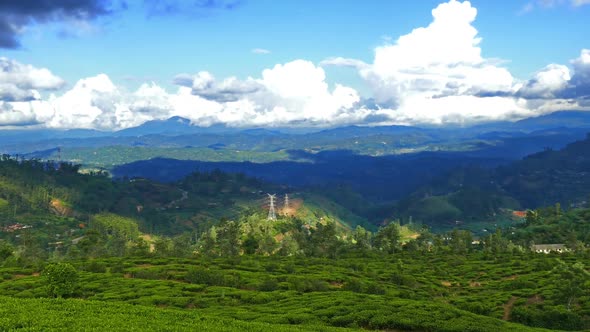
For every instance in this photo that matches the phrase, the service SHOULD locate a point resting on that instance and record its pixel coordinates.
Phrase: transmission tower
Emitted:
(286, 205)
(271, 210)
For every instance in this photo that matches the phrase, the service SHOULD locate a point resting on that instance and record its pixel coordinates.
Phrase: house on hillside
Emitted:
(547, 248)
(519, 214)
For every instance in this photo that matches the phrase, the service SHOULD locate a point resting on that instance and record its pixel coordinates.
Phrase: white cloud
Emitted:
(344, 62)
(432, 75)
(292, 92)
(547, 82)
(260, 51)
(11, 117)
(205, 85)
(558, 82)
(20, 82)
(548, 4)
(437, 74)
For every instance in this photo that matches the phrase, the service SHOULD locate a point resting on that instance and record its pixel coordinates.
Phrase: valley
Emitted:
(444, 236)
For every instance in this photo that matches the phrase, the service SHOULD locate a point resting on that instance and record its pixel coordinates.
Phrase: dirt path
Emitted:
(174, 203)
(508, 308)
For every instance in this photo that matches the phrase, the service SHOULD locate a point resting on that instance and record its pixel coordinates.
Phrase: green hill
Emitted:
(477, 197)
(55, 204)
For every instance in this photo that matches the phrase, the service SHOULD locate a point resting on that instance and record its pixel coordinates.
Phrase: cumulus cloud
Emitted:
(287, 94)
(436, 74)
(432, 75)
(559, 82)
(579, 85)
(16, 15)
(19, 82)
(546, 83)
(230, 89)
(294, 92)
(15, 118)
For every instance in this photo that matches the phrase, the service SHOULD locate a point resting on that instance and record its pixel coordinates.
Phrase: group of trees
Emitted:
(33, 185)
(111, 235)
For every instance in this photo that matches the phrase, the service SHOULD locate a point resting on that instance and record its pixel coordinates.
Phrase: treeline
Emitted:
(35, 189)
(555, 225)
(111, 235)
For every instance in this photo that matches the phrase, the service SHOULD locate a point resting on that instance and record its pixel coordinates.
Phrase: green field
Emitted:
(79, 315)
(429, 292)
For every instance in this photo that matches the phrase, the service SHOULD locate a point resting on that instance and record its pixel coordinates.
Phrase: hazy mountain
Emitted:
(173, 126)
(503, 140)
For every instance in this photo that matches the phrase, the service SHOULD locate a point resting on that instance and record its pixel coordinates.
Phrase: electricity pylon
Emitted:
(271, 211)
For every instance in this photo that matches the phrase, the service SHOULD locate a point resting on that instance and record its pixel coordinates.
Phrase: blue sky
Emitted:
(151, 42)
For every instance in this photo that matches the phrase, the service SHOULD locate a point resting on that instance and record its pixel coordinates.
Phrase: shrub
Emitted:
(61, 279)
(95, 267)
(353, 285)
(199, 275)
(268, 285)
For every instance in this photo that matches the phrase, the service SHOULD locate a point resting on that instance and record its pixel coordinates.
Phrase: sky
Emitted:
(109, 65)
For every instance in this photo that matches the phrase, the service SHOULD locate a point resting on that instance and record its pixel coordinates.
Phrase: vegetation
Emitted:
(196, 254)
(61, 279)
(79, 315)
(472, 292)
(107, 157)
(471, 194)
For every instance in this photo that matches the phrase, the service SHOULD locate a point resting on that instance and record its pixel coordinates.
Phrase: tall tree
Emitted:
(388, 238)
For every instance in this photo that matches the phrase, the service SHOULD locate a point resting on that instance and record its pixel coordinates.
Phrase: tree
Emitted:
(267, 245)
(250, 244)
(362, 238)
(162, 246)
(289, 246)
(208, 242)
(532, 217)
(388, 238)
(571, 282)
(323, 240)
(140, 248)
(6, 250)
(117, 231)
(183, 245)
(460, 241)
(228, 238)
(61, 279)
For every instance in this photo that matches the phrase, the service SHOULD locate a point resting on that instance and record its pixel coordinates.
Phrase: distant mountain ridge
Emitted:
(177, 125)
(506, 140)
(173, 126)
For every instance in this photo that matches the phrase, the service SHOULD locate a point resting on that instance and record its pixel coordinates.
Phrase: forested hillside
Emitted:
(474, 194)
